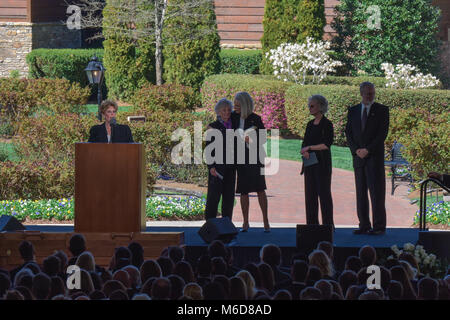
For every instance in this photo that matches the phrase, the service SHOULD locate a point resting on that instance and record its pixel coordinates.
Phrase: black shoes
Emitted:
(361, 231)
(376, 232)
(370, 232)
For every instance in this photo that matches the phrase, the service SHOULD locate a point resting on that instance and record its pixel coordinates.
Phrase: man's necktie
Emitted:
(364, 119)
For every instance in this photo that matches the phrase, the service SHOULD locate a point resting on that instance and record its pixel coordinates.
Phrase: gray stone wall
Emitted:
(17, 39)
(55, 36)
(15, 44)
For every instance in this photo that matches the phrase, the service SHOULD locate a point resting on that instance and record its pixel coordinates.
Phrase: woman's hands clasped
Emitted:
(305, 152)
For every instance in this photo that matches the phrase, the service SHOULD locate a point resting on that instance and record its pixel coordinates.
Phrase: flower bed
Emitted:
(188, 208)
(438, 213)
(158, 207)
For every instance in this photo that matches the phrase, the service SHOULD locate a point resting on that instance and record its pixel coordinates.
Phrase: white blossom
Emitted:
(292, 62)
(405, 76)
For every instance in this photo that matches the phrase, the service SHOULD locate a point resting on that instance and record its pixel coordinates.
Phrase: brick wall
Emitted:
(239, 22)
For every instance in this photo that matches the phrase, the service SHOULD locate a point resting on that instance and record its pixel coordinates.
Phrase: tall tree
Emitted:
(371, 32)
(142, 22)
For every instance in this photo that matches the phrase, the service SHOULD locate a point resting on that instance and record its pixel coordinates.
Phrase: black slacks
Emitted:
(225, 188)
(318, 186)
(371, 177)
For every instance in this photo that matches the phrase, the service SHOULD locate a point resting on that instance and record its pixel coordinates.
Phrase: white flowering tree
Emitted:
(405, 76)
(293, 61)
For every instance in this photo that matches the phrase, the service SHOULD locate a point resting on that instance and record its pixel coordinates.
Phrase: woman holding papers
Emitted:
(250, 176)
(316, 166)
(222, 175)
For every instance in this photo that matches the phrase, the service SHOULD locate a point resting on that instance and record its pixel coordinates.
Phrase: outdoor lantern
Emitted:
(95, 73)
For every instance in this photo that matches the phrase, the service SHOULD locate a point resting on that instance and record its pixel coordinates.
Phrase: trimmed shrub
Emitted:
(240, 61)
(169, 97)
(156, 132)
(61, 63)
(276, 14)
(311, 18)
(192, 45)
(127, 67)
(52, 137)
(20, 98)
(363, 45)
(36, 179)
(290, 21)
(267, 94)
(425, 137)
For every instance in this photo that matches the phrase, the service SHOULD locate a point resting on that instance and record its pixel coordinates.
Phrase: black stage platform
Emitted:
(246, 246)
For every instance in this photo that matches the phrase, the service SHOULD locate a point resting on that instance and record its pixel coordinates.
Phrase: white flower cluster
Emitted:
(418, 252)
(292, 62)
(405, 76)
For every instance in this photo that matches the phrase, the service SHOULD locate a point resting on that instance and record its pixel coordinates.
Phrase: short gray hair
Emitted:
(323, 102)
(224, 102)
(366, 84)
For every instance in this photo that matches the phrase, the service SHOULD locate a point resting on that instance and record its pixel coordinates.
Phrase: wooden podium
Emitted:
(110, 185)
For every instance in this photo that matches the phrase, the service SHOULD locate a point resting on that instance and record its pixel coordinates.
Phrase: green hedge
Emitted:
(169, 97)
(61, 63)
(240, 61)
(21, 98)
(426, 104)
(267, 92)
(342, 97)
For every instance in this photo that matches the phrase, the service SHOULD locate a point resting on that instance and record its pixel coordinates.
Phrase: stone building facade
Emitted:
(30, 24)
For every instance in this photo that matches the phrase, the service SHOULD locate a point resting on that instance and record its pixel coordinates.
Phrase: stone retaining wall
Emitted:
(17, 39)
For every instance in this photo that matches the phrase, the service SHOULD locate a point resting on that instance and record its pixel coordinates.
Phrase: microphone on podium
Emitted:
(112, 123)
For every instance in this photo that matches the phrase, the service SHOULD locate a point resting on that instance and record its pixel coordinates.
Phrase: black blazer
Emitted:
(325, 127)
(120, 134)
(373, 136)
(220, 166)
(253, 120)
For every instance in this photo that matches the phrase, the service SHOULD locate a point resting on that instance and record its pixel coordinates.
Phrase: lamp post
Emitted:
(96, 73)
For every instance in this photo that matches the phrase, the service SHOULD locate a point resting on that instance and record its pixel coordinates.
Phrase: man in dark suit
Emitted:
(367, 128)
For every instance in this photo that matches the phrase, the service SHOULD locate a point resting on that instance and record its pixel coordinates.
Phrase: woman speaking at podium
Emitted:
(110, 131)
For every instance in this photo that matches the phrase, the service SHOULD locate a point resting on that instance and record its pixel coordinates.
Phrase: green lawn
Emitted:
(8, 149)
(289, 149)
(93, 108)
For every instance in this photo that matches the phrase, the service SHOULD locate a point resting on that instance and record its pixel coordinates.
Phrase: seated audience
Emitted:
(215, 277)
(368, 256)
(321, 260)
(271, 254)
(26, 250)
(193, 290)
(353, 263)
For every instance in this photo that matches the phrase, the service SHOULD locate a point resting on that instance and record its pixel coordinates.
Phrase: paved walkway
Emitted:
(286, 200)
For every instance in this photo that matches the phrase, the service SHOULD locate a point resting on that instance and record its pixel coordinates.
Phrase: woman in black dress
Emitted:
(222, 175)
(250, 177)
(318, 138)
(109, 131)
